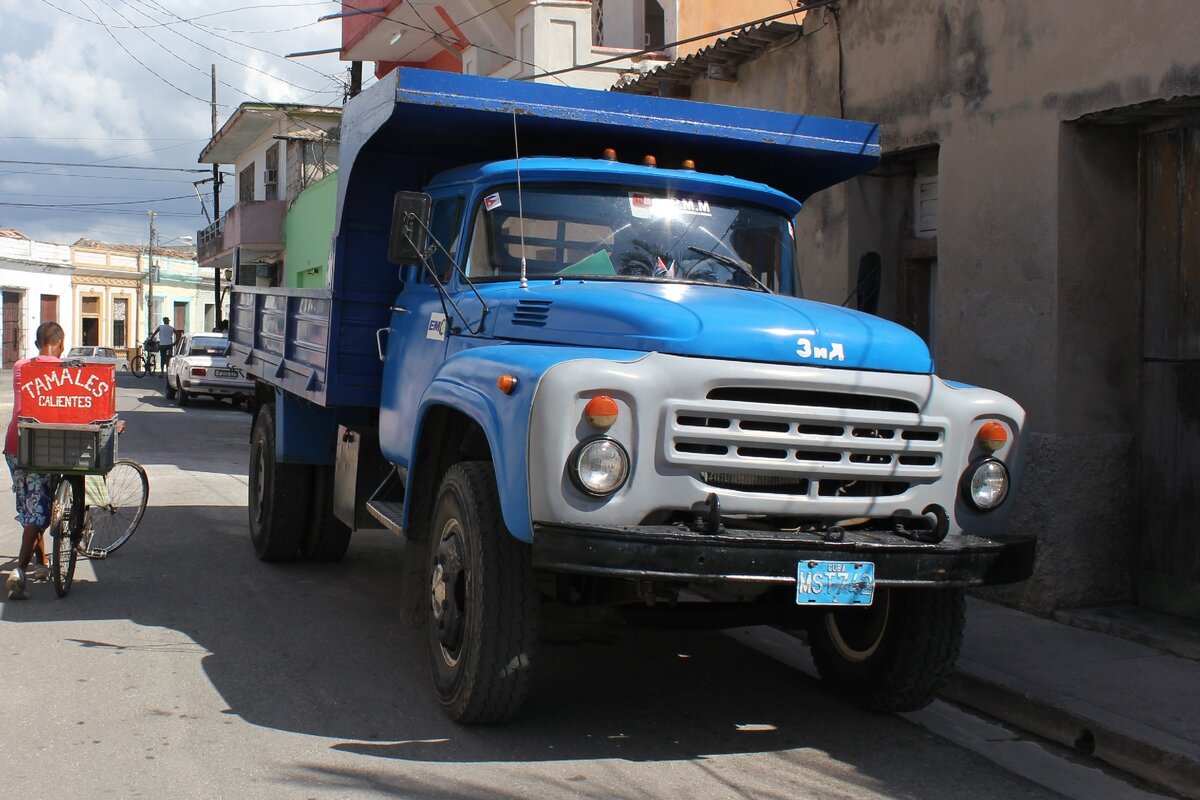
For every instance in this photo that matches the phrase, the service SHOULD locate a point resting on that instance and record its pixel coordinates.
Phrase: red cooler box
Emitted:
(68, 418)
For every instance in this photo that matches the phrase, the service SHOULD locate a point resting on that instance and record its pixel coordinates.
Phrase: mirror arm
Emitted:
(445, 297)
(457, 268)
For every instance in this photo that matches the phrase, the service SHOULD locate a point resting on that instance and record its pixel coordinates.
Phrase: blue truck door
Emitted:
(418, 333)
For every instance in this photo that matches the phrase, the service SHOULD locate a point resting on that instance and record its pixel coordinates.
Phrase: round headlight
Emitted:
(988, 484)
(600, 466)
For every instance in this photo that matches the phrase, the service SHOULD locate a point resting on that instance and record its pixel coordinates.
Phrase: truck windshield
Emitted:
(626, 232)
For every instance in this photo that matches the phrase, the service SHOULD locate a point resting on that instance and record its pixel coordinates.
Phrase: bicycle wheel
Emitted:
(65, 522)
(139, 366)
(114, 508)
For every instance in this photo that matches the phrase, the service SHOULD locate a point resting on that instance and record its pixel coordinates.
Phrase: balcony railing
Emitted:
(250, 224)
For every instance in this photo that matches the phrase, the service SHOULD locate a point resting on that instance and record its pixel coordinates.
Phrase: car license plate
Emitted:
(226, 373)
(835, 583)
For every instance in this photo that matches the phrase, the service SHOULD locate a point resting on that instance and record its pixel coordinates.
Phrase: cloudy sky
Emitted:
(126, 83)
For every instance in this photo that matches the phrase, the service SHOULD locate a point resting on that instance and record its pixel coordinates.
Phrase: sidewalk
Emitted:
(1127, 704)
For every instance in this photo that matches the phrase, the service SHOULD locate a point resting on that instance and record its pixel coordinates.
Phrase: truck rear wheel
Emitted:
(894, 655)
(482, 602)
(279, 493)
(327, 537)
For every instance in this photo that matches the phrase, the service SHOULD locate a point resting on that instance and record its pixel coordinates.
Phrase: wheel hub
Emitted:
(445, 595)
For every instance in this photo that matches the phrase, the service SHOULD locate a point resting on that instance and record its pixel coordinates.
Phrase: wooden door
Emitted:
(180, 322)
(1169, 436)
(12, 329)
(49, 308)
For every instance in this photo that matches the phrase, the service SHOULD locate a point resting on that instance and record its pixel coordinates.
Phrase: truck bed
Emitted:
(284, 337)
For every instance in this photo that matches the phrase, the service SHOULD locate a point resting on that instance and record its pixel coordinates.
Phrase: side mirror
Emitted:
(410, 220)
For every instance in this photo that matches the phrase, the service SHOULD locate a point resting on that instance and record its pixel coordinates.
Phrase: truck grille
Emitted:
(805, 443)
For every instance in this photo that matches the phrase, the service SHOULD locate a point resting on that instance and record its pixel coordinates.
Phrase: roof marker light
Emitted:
(609, 154)
(688, 164)
(649, 161)
(506, 383)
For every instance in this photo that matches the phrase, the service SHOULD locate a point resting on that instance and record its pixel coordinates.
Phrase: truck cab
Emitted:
(573, 382)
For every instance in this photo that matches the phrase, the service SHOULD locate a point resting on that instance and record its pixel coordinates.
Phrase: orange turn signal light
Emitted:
(506, 383)
(609, 154)
(601, 411)
(688, 164)
(649, 161)
(992, 436)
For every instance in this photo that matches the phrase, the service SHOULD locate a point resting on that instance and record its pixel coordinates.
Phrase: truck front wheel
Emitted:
(482, 602)
(278, 497)
(894, 655)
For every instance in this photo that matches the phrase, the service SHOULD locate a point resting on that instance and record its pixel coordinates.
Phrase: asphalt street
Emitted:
(184, 667)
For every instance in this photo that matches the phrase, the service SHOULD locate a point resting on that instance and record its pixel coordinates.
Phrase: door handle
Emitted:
(379, 341)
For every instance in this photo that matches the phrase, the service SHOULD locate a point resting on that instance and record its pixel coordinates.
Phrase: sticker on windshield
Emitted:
(644, 206)
(491, 202)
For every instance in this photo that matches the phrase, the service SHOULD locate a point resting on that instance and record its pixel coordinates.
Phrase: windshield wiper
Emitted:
(729, 262)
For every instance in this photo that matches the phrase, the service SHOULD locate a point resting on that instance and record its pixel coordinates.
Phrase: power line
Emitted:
(217, 53)
(113, 36)
(68, 209)
(101, 139)
(488, 10)
(124, 178)
(89, 205)
(102, 166)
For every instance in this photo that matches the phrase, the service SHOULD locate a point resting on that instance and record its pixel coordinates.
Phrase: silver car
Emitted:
(200, 366)
(97, 355)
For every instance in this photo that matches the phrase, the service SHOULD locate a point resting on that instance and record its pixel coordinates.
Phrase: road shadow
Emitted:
(317, 649)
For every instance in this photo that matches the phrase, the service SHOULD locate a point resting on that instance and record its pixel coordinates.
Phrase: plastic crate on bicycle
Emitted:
(69, 418)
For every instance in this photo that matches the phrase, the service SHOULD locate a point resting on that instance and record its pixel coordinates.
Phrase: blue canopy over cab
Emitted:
(414, 124)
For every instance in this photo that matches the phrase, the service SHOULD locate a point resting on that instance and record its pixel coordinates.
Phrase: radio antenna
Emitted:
(520, 201)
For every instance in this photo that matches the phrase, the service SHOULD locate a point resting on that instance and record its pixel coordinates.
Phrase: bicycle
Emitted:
(94, 515)
(144, 362)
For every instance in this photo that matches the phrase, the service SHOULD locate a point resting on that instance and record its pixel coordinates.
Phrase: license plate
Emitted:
(835, 583)
(226, 373)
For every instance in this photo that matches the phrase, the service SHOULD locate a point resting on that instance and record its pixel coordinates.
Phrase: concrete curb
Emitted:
(1155, 757)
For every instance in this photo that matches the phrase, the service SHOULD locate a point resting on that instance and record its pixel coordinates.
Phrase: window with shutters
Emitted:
(120, 322)
(246, 184)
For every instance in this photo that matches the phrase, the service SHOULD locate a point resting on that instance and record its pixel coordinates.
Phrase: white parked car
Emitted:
(97, 355)
(200, 366)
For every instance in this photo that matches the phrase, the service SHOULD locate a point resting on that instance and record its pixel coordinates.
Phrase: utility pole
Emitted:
(216, 201)
(355, 78)
(150, 274)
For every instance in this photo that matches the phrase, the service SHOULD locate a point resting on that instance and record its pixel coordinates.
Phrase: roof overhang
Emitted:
(251, 120)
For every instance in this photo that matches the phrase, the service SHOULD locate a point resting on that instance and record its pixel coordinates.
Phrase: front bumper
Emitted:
(663, 552)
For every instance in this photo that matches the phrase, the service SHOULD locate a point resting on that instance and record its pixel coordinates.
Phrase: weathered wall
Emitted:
(1037, 273)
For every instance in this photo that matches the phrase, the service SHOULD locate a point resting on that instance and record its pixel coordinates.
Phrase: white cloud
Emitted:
(67, 84)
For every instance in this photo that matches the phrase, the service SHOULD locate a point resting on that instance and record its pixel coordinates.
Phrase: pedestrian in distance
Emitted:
(31, 490)
(165, 336)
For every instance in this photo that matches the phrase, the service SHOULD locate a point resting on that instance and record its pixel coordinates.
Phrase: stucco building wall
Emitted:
(1035, 283)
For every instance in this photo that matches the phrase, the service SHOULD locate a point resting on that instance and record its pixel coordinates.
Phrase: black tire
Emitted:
(327, 536)
(278, 495)
(894, 655)
(66, 520)
(110, 525)
(170, 389)
(182, 397)
(482, 601)
(138, 366)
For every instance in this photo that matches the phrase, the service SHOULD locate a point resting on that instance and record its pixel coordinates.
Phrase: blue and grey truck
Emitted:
(564, 355)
